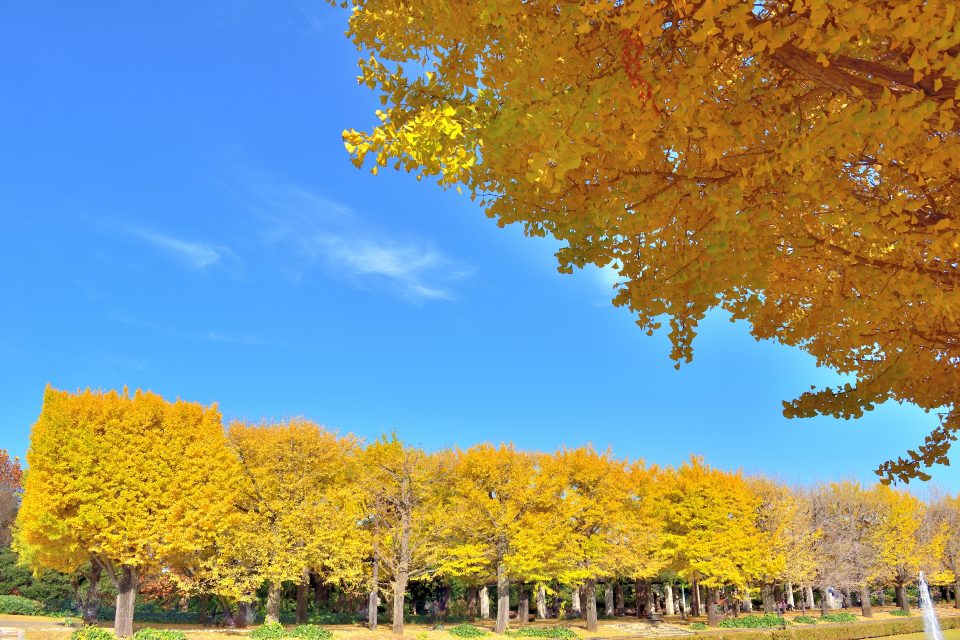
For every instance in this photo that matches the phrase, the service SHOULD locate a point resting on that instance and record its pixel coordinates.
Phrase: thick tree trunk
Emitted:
(126, 594)
(203, 608)
(303, 589)
(823, 601)
(683, 603)
(902, 600)
(808, 593)
(767, 595)
(523, 607)
(640, 593)
(471, 597)
(541, 602)
(576, 605)
(695, 598)
(590, 595)
(229, 619)
(956, 593)
(90, 605)
(503, 598)
(865, 605)
(485, 602)
(747, 601)
(373, 600)
(274, 595)
(619, 604)
(608, 601)
(321, 593)
(399, 594)
(791, 603)
(668, 599)
(712, 618)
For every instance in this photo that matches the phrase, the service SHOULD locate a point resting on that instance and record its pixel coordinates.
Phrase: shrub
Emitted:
(159, 634)
(422, 635)
(698, 626)
(859, 631)
(843, 616)
(767, 621)
(900, 612)
(20, 606)
(468, 631)
(805, 620)
(269, 631)
(544, 632)
(311, 632)
(92, 633)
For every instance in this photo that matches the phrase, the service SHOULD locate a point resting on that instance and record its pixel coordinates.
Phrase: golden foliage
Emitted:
(797, 164)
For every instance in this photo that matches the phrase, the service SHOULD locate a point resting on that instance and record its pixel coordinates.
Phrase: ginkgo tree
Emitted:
(794, 163)
(609, 527)
(507, 523)
(129, 482)
(711, 535)
(298, 510)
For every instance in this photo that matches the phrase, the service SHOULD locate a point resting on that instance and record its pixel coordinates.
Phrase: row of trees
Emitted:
(137, 487)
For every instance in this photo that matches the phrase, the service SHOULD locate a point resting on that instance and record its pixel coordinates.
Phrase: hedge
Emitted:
(857, 631)
(18, 605)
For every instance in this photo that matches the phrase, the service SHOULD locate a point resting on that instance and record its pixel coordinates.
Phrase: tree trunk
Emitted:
(823, 601)
(640, 593)
(618, 598)
(203, 609)
(503, 598)
(321, 593)
(303, 589)
(373, 601)
(485, 602)
(668, 599)
(766, 592)
(471, 596)
(274, 594)
(523, 608)
(399, 593)
(956, 593)
(126, 594)
(865, 605)
(608, 601)
(712, 618)
(683, 603)
(808, 593)
(902, 600)
(541, 602)
(791, 603)
(590, 595)
(695, 598)
(229, 619)
(90, 605)
(576, 606)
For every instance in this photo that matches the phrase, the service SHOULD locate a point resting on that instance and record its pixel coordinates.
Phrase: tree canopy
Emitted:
(794, 163)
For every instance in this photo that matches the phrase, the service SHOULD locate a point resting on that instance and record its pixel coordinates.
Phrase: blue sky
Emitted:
(177, 213)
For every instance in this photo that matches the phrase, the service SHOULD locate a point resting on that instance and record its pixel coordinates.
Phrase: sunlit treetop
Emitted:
(795, 163)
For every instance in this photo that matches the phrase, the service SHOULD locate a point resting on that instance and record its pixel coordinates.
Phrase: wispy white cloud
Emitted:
(319, 232)
(194, 254)
(192, 335)
(217, 336)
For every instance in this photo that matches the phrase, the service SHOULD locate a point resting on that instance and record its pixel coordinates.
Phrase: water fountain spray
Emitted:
(931, 626)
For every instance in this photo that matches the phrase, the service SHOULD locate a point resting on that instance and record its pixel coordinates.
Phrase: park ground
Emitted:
(58, 628)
